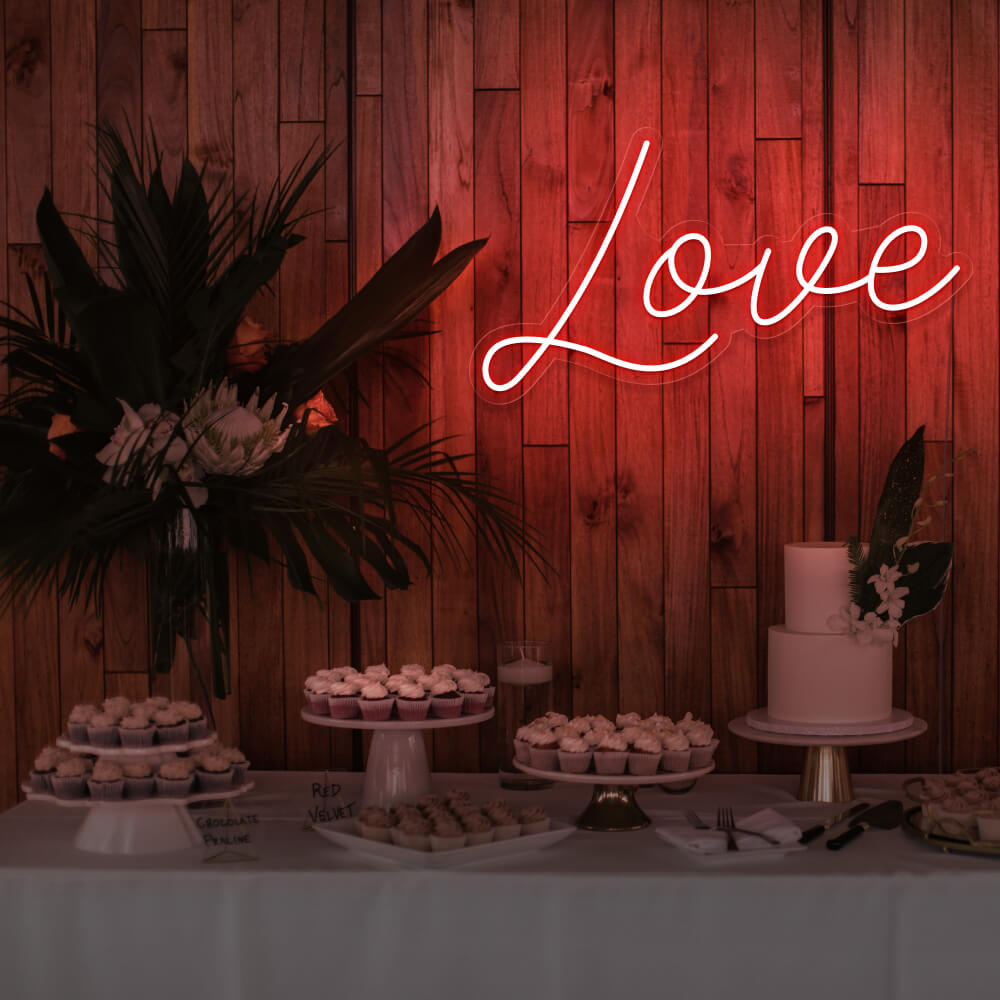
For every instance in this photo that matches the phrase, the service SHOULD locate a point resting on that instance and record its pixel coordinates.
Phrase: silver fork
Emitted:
(725, 821)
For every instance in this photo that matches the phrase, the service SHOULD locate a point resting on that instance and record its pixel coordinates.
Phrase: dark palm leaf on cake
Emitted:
(152, 414)
(896, 578)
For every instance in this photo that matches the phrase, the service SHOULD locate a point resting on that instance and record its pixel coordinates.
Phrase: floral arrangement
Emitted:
(896, 578)
(153, 414)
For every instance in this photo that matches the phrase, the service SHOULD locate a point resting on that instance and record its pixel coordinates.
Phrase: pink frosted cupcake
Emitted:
(522, 748)
(117, 707)
(79, 720)
(375, 824)
(136, 730)
(70, 778)
(446, 700)
(240, 764)
(316, 691)
(375, 702)
(478, 828)
(175, 778)
(106, 782)
(413, 832)
(574, 754)
(343, 700)
(411, 671)
(611, 755)
(139, 783)
(45, 767)
(676, 754)
(215, 773)
(197, 723)
(394, 682)
(377, 672)
(644, 759)
(506, 826)
(412, 702)
(534, 819)
(171, 726)
(474, 691)
(447, 835)
(543, 748)
(703, 743)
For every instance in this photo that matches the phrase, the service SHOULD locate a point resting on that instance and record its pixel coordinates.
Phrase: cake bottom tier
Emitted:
(817, 679)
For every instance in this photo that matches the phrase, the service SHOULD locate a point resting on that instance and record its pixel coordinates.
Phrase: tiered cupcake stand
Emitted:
(396, 769)
(826, 776)
(612, 807)
(152, 825)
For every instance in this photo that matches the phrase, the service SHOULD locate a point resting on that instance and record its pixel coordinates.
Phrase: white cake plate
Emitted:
(898, 720)
(612, 807)
(397, 768)
(825, 774)
(132, 753)
(138, 826)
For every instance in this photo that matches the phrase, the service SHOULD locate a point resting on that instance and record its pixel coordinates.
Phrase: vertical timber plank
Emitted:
(881, 86)
(300, 61)
(337, 96)
(496, 26)
(778, 59)
(734, 688)
(164, 98)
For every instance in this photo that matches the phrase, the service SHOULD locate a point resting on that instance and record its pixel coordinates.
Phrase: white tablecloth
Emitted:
(598, 915)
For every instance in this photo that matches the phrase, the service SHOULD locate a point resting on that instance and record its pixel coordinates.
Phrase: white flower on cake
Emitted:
(149, 437)
(865, 629)
(231, 438)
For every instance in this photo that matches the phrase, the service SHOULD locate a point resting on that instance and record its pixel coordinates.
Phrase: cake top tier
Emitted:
(817, 584)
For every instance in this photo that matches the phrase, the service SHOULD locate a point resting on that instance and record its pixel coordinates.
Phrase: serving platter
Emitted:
(915, 824)
(344, 833)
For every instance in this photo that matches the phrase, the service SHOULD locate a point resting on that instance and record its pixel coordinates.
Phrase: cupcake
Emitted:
(412, 832)
(375, 702)
(136, 730)
(343, 699)
(153, 704)
(506, 826)
(522, 748)
(139, 781)
(412, 701)
(627, 719)
(534, 819)
(676, 754)
(478, 828)
(574, 754)
(447, 835)
(543, 748)
(45, 767)
(411, 671)
(644, 759)
(703, 743)
(490, 688)
(592, 737)
(317, 694)
(215, 773)
(445, 670)
(175, 778)
(106, 782)
(197, 723)
(240, 764)
(474, 691)
(553, 719)
(171, 726)
(79, 719)
(378, 672)
(611, 755)
(116, 707)
(102, 730)
(70, 778)
(375, 824)
(394, 682)
(446, 700)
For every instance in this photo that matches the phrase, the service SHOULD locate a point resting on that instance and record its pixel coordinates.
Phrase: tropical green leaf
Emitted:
(929, 580)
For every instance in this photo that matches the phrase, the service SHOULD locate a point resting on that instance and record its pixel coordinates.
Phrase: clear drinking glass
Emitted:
(524, 692)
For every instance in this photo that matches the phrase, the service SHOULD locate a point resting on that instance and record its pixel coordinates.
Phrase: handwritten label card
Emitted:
(328, 804)
(228, 837)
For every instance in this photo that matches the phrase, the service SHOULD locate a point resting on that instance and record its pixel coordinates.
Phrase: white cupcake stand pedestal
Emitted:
(153, 825)
(612, 807)
(826, 776)
(396, 769)
(139, 826)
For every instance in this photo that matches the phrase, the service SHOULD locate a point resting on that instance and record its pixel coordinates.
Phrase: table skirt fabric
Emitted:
(610, 915)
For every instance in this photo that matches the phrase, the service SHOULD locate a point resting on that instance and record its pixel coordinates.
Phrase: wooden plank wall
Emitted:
(665, 507)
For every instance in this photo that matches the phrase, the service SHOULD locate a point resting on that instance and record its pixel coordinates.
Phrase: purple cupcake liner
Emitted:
(40, 781)
(522, 751)
(413, 709)
(610, 761)
(102, 736)
(105, 791)
(137, 737)
(544, 760)
(446, 708)
(491, 692)
(197, 728)
(377, 709)
(69, 787)
(139, 788)
(643, 764)
(77, 732)
(475, 703)
(318, 704)
(240, 773)
(702, 756)
(343, 708)
(574, 763)
(675, 760)
(214, 781)
(177, 733)
(174, 788)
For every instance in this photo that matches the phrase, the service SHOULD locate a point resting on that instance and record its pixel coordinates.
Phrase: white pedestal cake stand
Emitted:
(138, 826)
(612, 807)
(396, 769)
(825, 774)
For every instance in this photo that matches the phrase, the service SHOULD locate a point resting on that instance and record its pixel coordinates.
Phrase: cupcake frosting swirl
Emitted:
(343, 689)
(411, 691)
(675, 740)
(444, 685)
(613, 741)
(374, 691)
(574, 744)
(107, 770)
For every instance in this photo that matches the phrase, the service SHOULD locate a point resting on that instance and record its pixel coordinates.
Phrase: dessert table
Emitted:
(598, 914)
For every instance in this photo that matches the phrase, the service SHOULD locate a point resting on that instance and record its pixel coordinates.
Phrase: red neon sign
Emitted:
(808, 285)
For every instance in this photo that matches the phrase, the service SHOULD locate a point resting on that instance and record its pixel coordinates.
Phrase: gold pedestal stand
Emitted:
(826, 776)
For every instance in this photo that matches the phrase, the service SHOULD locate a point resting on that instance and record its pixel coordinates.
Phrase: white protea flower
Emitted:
(231, 438)
(148, 436)
(885, 579)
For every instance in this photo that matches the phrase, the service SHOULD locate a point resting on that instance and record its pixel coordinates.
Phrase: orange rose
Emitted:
(60, 425)
(317, 411)
(248, 350)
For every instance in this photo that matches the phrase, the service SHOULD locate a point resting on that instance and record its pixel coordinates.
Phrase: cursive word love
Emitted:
(809, 284)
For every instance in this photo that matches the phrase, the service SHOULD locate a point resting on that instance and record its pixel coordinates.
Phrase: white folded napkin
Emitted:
(681, 834)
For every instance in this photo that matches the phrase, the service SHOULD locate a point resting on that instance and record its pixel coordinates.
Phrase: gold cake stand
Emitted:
(826, 776)
(612, 807)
